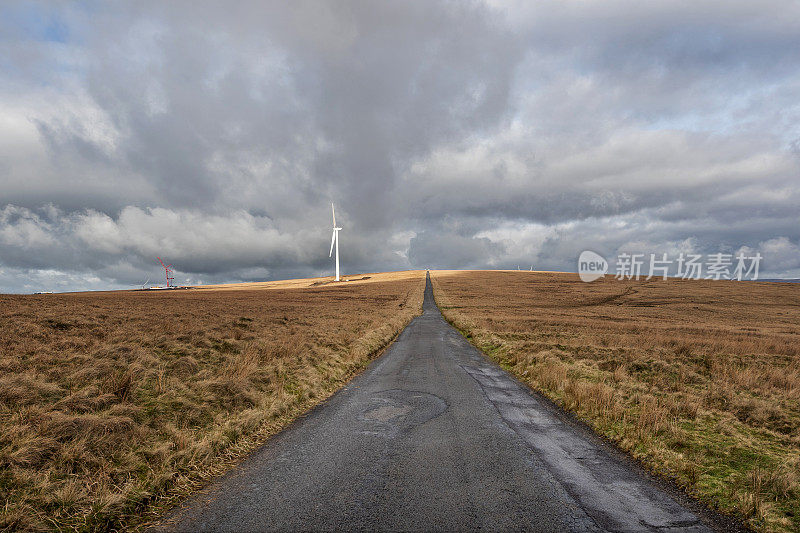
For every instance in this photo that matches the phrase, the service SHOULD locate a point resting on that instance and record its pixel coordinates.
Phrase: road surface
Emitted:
(433, 435)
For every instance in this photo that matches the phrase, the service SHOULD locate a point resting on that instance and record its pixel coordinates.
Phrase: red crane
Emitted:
(167, 271)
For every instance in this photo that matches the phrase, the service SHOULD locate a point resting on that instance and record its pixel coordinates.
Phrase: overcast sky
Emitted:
(449, 135)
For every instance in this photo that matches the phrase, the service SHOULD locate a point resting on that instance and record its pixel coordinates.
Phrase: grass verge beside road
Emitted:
(116, 404)
(700, 380)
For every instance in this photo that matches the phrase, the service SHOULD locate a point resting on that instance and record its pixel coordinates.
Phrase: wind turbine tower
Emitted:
(335, 241)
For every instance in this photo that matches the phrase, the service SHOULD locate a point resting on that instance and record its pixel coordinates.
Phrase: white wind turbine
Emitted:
(335, 240)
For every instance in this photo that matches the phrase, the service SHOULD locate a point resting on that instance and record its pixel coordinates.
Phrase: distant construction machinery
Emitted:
(168, 275)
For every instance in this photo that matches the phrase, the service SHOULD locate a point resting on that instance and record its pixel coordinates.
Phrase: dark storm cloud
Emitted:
(320, 101)
(450, 134)
(443, 250)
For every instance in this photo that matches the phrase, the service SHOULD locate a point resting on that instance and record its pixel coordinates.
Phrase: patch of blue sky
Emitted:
(33, 21)
(731, 114)
(45, 41)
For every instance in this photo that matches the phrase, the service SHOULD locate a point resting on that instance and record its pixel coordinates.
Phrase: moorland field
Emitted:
(113, 405)
(700, 380)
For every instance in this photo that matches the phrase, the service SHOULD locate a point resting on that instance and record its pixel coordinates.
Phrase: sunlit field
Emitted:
(113, 405)
(698, 379)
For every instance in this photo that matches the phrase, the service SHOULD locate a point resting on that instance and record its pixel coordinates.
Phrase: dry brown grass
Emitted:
(698, 379)
(112, 404)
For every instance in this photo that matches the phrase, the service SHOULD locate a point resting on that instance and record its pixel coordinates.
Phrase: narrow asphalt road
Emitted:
(434, 436)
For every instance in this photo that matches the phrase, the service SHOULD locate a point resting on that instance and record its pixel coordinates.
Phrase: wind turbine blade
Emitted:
(333, 212)
(333, 239)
